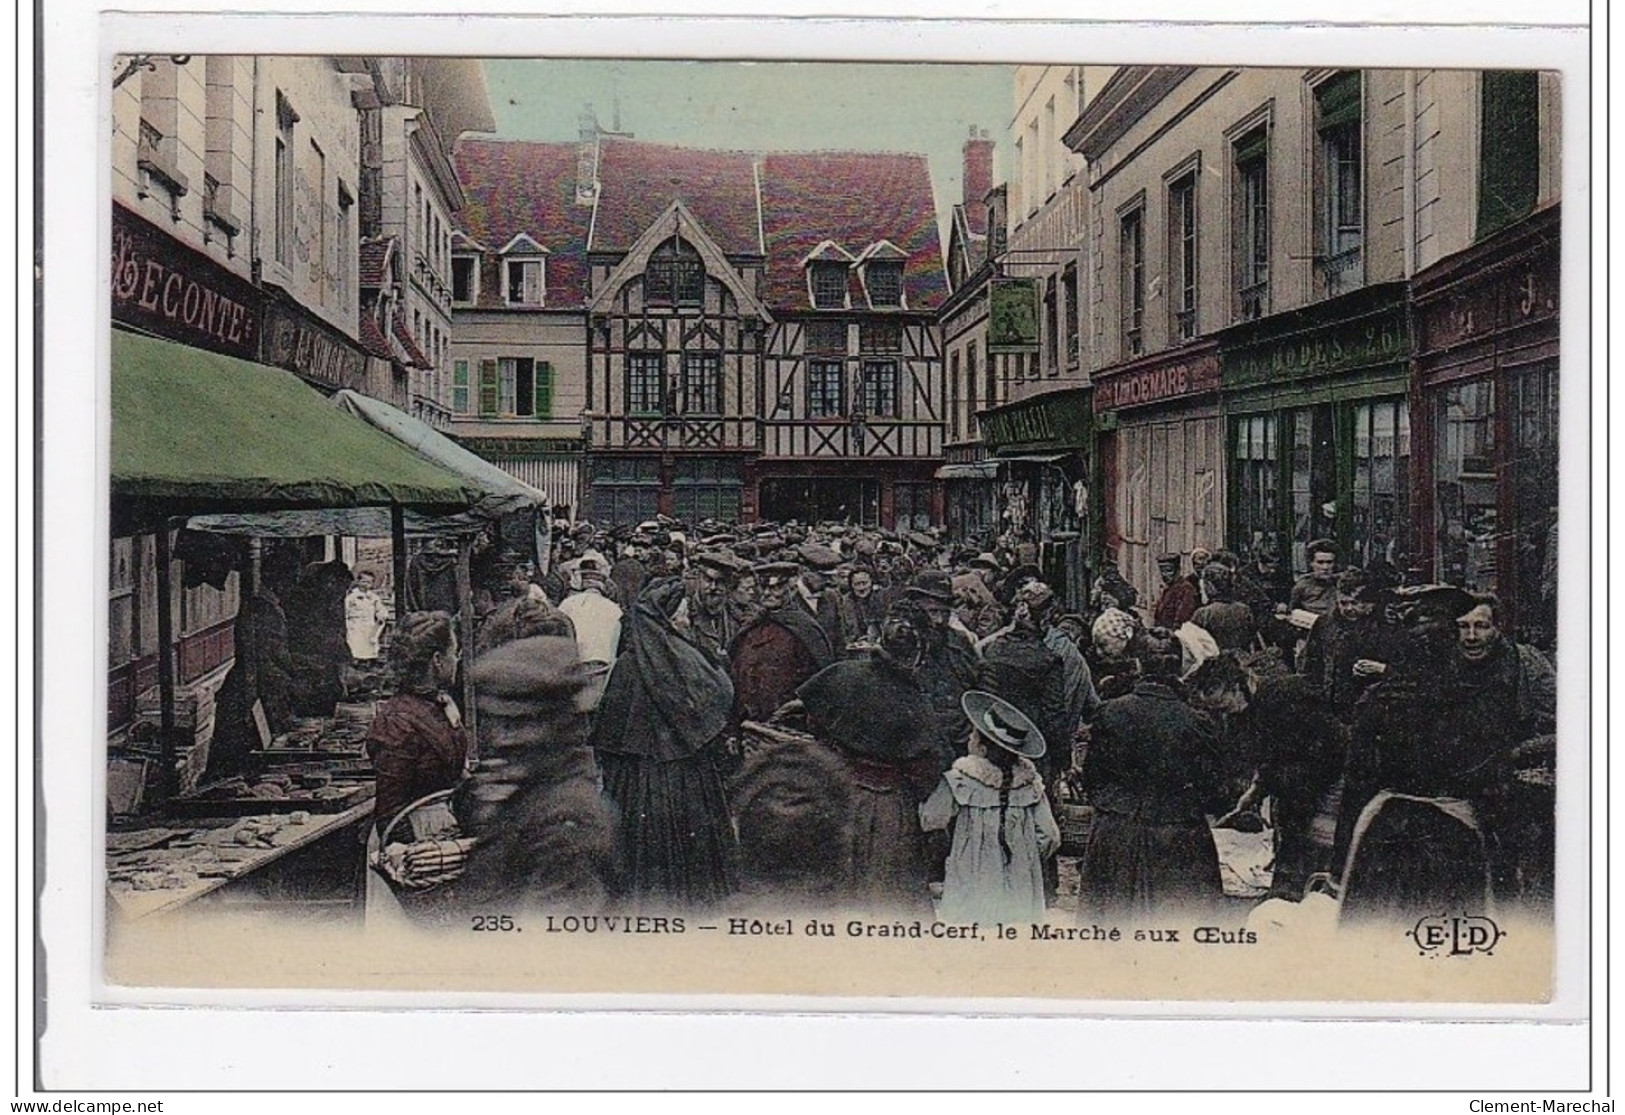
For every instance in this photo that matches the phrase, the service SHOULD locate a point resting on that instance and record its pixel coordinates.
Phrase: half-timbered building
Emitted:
(853, 397)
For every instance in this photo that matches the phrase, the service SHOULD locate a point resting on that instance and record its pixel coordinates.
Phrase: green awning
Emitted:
(215, 432)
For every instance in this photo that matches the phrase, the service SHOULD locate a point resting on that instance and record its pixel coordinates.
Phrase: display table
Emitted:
(264, 859)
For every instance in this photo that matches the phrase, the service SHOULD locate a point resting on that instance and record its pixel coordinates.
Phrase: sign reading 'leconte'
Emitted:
(166, 289)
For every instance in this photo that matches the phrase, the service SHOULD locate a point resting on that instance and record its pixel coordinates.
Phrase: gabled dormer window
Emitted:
(465, 279)
(524, 272)
(881, 268)
(828, 267)
(675, 275)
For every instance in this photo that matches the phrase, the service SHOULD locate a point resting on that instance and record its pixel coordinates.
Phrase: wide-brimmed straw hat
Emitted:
(1001, 723)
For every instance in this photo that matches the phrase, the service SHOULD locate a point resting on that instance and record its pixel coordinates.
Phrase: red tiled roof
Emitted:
(414, 354)
(853, 199)
(373, 339)
(639, 181)
(374, 254)
(515, 187)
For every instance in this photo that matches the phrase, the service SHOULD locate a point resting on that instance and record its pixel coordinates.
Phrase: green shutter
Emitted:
(1338, 100)
(459, 386)
(488, 386)
(544, 389)
(1508, 149)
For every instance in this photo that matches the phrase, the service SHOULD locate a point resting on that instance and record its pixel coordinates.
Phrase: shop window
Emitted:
(1381, 496)
(1131, 281)
(1250, 226)
(911, 506)
(1182, 257)
(1311, 480)
(706, 488)
(702, 383)
(1466, 496)
(645, 383)
(880, 388)
(825, 396)
(675, 275)
(1534, 501)
(1339, 199)
(1508, 147)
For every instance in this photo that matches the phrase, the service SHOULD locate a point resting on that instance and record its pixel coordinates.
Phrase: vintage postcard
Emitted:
(1032, 535)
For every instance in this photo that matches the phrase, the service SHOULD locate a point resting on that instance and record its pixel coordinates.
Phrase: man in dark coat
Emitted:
(1276, 728)
(1020, 666)
(1349, 647)
(948, 660)
(1179, 599)
(780, 649)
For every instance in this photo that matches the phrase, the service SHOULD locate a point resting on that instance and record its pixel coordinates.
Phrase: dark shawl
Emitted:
(869, 707)
(665, 699)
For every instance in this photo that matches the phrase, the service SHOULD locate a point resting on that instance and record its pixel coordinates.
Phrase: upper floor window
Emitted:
(880, 388)
(885, 282)
(1508, 148)
(1182, 257)
(1052, 323)
(465, 279)
(1339, 201)
(826, 337)
(702, 383)
(524, 272)
(645, 383)
(881, 336)
(829, 285)
(825, 389)
(675, 275)
(1069, 296)
(1250, 228)
(1131, 280)
(282, 182)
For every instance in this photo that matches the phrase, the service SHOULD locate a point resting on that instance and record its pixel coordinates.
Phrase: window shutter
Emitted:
(544, 389)
(1339, 100)
(488, 386)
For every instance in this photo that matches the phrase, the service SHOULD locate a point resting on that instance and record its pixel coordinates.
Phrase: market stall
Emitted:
(196, 433)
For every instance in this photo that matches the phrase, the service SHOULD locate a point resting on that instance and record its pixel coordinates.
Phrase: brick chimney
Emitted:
(978, 177)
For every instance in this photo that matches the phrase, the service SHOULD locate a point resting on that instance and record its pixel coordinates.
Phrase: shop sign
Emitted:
(1012, 325)
(162, 287)
(1060, 420)
(1157, 383)
(1339, 347)
(311, 349)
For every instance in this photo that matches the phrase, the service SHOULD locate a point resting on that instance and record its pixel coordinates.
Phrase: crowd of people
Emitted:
(686, 716)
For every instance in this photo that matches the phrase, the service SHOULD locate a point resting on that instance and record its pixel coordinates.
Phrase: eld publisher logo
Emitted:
(1459, 935)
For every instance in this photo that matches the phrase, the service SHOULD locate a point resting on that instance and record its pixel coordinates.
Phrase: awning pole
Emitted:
(166, 669)
(465, 633)
(397, 541)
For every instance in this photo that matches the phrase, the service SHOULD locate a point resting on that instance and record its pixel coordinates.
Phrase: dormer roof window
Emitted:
(829, 267)
(881, 269)
(524, 272)
(675, 274)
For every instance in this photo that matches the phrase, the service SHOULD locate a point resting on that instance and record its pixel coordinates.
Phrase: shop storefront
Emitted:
(1160, 453)
(1318, 441)
(163, 288)
(1487, 415)
(970, 496)
(1041, 447)
(310, 348)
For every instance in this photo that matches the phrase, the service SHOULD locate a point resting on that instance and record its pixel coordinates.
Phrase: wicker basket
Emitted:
(1077, 821)
(435, 854)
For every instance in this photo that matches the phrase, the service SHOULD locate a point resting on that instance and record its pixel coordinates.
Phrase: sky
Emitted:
(765, 106)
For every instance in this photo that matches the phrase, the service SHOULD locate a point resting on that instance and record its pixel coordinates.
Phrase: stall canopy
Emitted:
(200, 431)
(499, 493)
